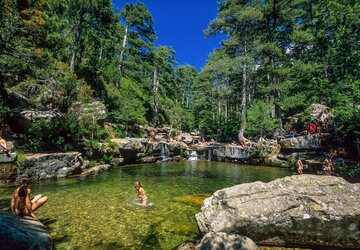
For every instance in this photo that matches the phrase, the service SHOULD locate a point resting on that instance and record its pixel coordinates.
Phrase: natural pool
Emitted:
(91, 212)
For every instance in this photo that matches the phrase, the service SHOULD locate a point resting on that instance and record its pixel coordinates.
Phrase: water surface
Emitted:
(91, 212)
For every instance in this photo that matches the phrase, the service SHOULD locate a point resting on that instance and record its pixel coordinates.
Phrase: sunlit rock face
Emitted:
(18, 232)
(53, 165)
(305, 210)
(231, 152)
(21, 120)
(301, 142)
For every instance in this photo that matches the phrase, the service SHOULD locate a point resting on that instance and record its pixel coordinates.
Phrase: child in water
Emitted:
(141, 194)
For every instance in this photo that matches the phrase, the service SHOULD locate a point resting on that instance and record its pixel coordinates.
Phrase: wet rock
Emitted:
(232, 152)
(299, 210)
(97, 169)
(8, 173)
(23, 233)
(21, 120)
(52, 165)
(151, 159)
(224, 241)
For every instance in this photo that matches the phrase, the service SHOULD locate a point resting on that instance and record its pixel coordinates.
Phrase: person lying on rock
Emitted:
(21, 203)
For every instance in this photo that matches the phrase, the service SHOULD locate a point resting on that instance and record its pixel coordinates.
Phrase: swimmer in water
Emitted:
(141, 194)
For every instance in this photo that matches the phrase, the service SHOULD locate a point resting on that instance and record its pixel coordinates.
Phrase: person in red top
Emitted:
(312, 128)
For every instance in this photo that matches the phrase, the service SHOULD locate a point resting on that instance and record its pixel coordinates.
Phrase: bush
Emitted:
(68, 147)
(20, 158)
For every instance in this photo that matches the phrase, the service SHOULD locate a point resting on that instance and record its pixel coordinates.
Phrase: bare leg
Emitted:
(36, 198)
(38, 202)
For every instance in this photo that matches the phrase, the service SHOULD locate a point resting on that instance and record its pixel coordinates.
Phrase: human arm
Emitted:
(28, 204)
(13, 203)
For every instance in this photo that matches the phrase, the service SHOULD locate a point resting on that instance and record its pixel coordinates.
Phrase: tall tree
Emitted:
(139, 33)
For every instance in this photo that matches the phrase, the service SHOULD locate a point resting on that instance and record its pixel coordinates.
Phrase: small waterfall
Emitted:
(209, 157)
(193, 155)
(164, 152)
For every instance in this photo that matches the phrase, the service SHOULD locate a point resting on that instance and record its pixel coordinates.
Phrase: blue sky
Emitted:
(181, 24)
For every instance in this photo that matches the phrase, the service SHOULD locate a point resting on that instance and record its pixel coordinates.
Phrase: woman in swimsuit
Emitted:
(21, 203)
(141, 194)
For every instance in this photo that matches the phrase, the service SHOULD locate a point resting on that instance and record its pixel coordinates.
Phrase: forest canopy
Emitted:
(279, 57)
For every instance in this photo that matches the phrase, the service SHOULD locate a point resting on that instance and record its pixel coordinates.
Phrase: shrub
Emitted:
(68, 147)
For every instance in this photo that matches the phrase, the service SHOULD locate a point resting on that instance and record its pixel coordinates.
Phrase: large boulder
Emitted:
(232, 152)
(23, 233)
(301, 142)
(21, 120)
(219, 241)
(300, 210)
(16, 100)
(52, 165)
(319, 112)
(224, 241)
(8, 156)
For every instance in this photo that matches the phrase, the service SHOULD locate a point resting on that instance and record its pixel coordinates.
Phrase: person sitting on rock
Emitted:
(3, 144)
(21, 203)
(152, 135)
(300, 166)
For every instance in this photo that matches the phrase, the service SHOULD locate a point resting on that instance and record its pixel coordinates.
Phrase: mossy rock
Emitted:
(192, 199)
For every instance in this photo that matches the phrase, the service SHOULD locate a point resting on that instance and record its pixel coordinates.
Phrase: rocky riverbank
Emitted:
(306, 211)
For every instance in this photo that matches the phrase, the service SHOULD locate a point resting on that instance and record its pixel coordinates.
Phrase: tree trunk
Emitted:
(77, 38)
(219, 110)
(156, 87)
(123, 50)
(243, 102)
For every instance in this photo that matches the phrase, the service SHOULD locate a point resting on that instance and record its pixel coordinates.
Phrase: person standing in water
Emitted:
(21, 203)
(141, 193)
(300, 166)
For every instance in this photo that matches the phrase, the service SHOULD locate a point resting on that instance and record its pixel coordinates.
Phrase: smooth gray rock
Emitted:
(232, 152)
(301, 142)
(22, 119)
(320, 112)
(224, 241)
(297, 210)
(23, 233)
(16, 100)
(52, 165)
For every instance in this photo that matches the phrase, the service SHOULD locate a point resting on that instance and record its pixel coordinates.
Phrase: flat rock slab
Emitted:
(52, 165)
(20, 233)
(302, 210)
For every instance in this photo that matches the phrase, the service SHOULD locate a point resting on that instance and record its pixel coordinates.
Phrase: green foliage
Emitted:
(259, 120)
(119, 131)
(68, 147)
(20, 158)
(39, 135)
(107, 158)
(92, 163)
(92, 144)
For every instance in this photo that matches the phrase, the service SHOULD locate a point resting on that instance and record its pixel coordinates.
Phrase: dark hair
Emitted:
(23, 188)
(138, 183)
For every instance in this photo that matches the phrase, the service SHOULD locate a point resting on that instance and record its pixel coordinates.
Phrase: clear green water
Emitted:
(91, 212)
